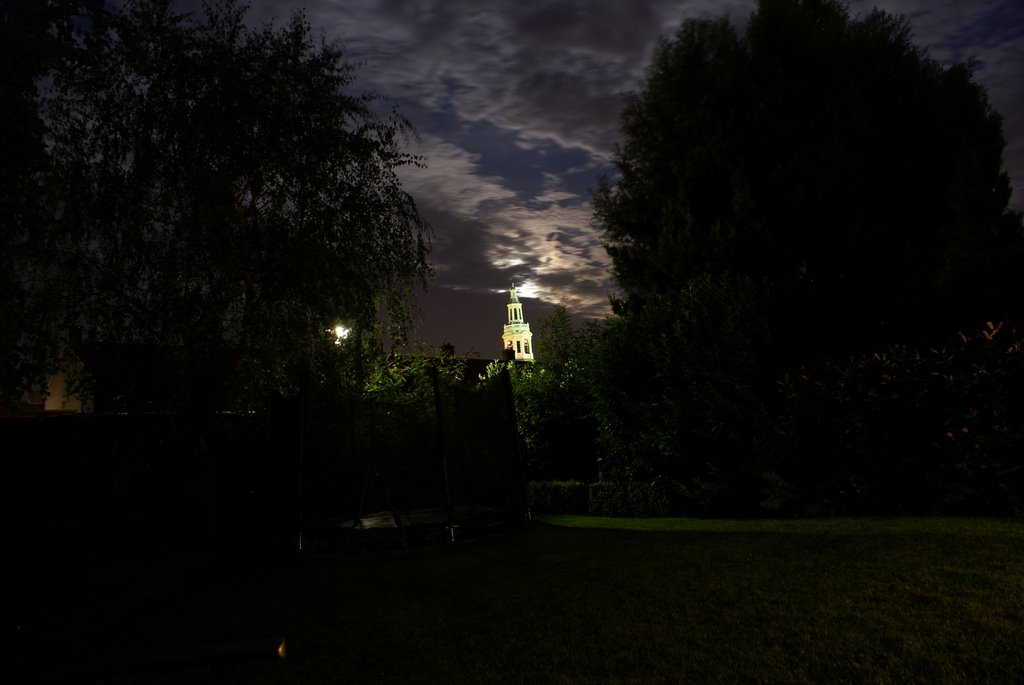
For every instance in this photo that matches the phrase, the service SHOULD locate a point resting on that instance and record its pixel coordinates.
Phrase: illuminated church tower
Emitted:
(517, 336)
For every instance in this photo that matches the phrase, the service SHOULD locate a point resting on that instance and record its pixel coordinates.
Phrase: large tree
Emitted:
(826, 157)
(34, 37)
(223, 192)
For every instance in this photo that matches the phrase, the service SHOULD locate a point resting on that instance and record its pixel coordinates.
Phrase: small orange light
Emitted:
(280, 649)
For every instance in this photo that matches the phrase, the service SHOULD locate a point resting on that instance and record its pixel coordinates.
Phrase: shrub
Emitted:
(903, 430)
(675, 392)
(631, 498)
(557, 496)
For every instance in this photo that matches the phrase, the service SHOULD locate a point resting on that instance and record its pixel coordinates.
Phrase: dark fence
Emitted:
(136, 480)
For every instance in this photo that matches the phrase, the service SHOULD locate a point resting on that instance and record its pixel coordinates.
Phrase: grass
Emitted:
(566, 600)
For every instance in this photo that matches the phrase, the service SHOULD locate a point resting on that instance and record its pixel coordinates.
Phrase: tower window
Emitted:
(526, 346)
(519, 347)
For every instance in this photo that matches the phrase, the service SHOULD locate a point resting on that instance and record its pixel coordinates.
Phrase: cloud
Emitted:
(481, 222)
(451, 178)
(554, 72)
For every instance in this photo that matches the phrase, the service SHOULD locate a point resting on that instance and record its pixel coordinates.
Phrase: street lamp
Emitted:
(340, 333)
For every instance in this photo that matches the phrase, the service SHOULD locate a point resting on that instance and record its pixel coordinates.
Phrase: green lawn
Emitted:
(565, 600)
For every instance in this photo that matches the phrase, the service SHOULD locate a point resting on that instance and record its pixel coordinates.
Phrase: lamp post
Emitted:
(340, 333)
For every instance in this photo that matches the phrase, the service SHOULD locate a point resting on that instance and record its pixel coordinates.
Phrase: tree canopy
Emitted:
(34, 37)
(828, 158)
(219, 188)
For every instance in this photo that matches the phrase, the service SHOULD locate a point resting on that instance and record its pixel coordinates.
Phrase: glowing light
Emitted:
(340, 333)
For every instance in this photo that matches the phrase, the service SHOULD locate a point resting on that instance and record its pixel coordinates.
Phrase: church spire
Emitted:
(517, 339)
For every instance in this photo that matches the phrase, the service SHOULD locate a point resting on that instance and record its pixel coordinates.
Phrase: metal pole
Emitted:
(440, 446)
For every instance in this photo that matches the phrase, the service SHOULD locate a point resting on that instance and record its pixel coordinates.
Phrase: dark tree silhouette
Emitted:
(826, 157)
(221, 190)
(34, 37)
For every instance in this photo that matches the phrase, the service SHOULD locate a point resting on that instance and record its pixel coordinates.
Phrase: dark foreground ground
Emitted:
(855, 600)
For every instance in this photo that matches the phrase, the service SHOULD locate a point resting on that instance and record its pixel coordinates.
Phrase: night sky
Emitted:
(517, 104)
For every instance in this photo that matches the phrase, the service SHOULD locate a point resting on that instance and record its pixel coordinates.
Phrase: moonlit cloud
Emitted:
(543, 234)
(451, 179)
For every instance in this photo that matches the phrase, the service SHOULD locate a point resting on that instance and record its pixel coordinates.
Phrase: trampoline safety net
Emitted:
(454, 465)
